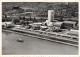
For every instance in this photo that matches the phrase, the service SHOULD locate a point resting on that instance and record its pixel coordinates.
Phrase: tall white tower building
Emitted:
(50, 15)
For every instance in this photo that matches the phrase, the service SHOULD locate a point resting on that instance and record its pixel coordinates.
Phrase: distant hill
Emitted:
(69, 8)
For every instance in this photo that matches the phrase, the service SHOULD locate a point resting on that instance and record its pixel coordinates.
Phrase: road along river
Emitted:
(33, 46)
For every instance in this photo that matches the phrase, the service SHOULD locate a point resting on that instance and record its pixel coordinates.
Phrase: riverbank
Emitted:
(43, 36)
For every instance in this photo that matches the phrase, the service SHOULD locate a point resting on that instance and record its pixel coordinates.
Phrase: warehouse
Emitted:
(69, 24)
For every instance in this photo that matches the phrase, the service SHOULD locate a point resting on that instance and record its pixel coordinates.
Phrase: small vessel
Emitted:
(20, 40)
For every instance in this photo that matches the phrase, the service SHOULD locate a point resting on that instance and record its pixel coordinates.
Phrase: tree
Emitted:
(16, 21)
(23, 18)
(5, 16)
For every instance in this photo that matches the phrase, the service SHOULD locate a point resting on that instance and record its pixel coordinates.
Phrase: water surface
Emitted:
(33, 46)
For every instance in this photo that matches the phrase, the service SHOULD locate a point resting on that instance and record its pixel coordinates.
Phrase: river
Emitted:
(33, 46)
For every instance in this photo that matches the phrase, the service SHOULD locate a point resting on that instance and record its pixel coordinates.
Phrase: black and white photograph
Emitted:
(40, 28)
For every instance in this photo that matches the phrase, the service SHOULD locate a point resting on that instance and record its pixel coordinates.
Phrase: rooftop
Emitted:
(71, 22)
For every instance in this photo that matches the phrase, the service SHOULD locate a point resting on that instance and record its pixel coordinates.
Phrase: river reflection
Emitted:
(33, 46)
